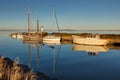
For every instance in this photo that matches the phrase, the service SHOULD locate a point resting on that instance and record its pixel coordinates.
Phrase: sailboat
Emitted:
(32, 36)
(52, 38)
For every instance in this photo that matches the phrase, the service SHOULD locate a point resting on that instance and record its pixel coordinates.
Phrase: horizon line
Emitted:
(60, 30)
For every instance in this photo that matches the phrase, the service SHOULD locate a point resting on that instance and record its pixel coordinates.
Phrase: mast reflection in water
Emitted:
(70, 63)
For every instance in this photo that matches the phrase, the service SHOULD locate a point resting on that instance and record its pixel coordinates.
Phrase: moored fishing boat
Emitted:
(51, 39)
(13, 35)
(89, 40)
(33, 37)
(19, 36)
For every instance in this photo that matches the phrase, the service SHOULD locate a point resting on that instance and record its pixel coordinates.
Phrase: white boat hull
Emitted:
(51, 39)
(19, 36)
(13, 36)
(89, 41)
(57, 40)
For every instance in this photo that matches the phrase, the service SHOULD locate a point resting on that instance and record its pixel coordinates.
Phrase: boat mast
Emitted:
(55, 17)
(37, 22)
(28, 19)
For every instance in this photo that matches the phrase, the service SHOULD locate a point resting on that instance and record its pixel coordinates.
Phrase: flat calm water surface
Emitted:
(64, 61)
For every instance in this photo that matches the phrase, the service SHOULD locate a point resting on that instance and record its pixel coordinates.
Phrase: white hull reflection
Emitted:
(92, 50)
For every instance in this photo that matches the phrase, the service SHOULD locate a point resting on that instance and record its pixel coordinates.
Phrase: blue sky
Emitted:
(71, 14)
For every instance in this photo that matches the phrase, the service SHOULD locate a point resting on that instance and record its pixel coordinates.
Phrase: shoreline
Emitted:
(67, 37)
(12, 70)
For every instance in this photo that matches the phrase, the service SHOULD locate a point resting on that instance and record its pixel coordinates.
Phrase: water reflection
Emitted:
(29, 56)
(37, 45)
(32, 43)
(55, 56)
(91, 50)
(70, 66)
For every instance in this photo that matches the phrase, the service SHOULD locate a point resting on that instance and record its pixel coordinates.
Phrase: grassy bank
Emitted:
(67, 37)
(113, 38)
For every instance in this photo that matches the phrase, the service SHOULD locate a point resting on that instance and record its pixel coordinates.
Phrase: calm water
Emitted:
(65, 61)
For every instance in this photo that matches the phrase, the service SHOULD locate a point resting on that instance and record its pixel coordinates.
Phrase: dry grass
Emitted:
(10, 70)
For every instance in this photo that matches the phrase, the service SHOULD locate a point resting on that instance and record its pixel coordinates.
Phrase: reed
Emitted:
(12, 70)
